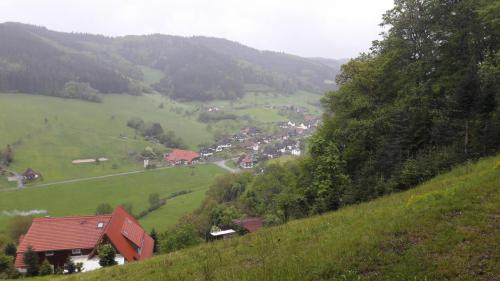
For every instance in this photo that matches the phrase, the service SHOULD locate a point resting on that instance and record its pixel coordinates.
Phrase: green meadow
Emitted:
(82, 198)
(47, 133)
(444, 229)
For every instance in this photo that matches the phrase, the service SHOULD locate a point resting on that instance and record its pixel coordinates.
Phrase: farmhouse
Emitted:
(30, 175)
(182, 157)
(78, 237)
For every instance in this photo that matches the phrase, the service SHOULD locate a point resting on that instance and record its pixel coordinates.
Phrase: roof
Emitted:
(182, 155)
(29, 171)
(250, 224)
(222, 232)
(121, 229)
(122, 222)
(52, 234)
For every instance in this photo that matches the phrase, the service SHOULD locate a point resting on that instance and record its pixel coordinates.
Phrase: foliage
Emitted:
(79, 90)
(45, 268)
(5, 262)
(154, 200)
(7, 156)
(107, 255)
(10, 249)
(18, 226)
(155, 130)
(421, 102)
(30, 259)
(208, 117)
(154, 236)
(179, 237)
(104, 209)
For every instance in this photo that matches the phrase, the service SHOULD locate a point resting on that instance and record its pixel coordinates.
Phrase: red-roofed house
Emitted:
(250, 224)
(182, 157)
(246, 162)
(78, 237)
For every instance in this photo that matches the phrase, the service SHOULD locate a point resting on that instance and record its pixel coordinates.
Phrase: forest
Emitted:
(36, 60)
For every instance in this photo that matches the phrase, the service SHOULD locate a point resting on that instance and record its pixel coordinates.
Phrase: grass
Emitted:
(77, 129)
(82, 198)
(445, 229)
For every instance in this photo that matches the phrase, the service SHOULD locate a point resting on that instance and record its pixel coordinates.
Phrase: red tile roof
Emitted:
(82, 232)
(182, 155)
(250, 224)
(53, 234)
(120, 221)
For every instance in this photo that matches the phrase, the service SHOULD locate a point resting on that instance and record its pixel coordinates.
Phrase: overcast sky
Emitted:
(327, 28)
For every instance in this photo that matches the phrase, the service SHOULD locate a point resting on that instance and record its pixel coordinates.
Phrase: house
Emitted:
(270, 152)
(182, 157)
(207, 152)
(222, 234)
(30, 175)
(78, 238)
(250, 145)
(246, 162)
(249, 224)
(224, 143)
(296, 151)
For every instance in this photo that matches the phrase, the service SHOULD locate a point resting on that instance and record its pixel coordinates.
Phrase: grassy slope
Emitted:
(78, 129)
(82, 198)
(446, 229)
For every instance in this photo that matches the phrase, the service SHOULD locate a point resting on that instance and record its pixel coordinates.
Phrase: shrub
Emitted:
(106, 255)
(45, 268)
(104, 209)
(30, 259)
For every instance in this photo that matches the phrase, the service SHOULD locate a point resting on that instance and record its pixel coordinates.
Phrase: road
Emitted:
(222, 164)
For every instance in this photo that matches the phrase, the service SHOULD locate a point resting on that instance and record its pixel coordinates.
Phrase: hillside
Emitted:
(40, 61)
(445, 229)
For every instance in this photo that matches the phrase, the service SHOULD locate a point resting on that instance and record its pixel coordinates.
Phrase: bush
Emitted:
(45, 268)
(10, 249)
(78, 90)
(5, 262)
(104, 209)
(106, 255)
(180, 237)
(70, 266)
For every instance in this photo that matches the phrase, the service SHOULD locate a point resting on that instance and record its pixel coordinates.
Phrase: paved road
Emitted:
(222, 164)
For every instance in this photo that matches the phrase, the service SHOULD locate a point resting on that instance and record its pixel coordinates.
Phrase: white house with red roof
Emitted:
(78, 237)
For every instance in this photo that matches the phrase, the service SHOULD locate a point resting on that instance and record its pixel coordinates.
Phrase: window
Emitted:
(76, 251)
(100, 225)
(49, 254)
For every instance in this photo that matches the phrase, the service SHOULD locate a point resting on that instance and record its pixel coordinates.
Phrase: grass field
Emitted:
(445, 229)
(47, 133)
(82, 198)
(77, 129)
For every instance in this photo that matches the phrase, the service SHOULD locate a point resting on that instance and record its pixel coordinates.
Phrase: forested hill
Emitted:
(40, 61)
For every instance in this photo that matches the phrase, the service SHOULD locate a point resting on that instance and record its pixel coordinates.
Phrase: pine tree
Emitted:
(45, 268)
(106, 255)
(30, 259)
(10, 249)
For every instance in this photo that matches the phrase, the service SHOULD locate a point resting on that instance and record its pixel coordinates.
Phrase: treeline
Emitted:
(426, 98)
(154, 130)
(208, 117)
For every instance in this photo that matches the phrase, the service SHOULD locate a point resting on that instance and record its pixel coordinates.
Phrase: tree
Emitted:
(106, 255)
(128, 207)
(180, 237)
(10, 249)
(154, 236)
(70, 266)
(154, 200)
(45, 268)
(5, 262)
(30, 259)
(104, 209)
(18, 226)
(8, 155)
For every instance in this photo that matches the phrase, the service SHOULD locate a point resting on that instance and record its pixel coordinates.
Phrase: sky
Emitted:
(309, 28)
